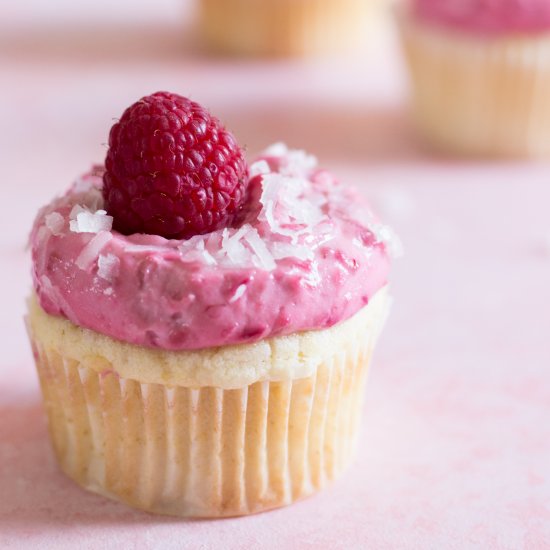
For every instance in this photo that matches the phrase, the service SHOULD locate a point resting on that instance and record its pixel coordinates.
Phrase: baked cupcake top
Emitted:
(487, 16)
(300, 252)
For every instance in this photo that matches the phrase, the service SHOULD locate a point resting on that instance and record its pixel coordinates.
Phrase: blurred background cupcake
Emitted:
(286, 27)
(480, 72)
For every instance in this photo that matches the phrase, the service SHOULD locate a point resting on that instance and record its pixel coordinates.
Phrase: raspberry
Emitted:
(172, 170)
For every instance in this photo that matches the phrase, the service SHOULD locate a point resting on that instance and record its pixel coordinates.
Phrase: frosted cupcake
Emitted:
(480, 74)
(202, 330)
(285, 27)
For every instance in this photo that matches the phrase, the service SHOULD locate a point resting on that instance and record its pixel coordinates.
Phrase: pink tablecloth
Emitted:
(455, 446)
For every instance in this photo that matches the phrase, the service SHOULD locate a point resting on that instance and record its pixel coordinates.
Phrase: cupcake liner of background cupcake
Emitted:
(479, 95)
(286, 27)
(185, 449)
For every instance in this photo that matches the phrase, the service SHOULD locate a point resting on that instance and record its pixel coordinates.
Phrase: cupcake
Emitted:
(480, 74)
(284, 27)
(202, 328)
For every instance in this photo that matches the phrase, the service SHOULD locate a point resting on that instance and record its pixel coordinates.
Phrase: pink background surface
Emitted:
(455, 445)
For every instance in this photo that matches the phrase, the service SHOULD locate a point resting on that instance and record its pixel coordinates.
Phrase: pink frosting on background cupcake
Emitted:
(487, 16)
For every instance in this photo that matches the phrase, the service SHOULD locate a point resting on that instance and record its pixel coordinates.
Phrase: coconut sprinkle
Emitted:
(258, 168)
(143, 248)
(295, 162)
(286, 206)
(89, 195)
(108, 266)
(233, 248)
(84, 221)
(288, 250)
(299, 163)
(194, 250)
(238, 293)
(91, 251)
(294, 218)
(263, 258)
(55, 222)
(278, 149)
(206, 256)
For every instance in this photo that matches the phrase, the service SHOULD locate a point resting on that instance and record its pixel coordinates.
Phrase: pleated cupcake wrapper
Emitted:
(206, 451)
(286, 27)
(480, 96)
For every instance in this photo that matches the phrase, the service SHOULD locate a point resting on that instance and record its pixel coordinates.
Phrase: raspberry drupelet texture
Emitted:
(172, 170)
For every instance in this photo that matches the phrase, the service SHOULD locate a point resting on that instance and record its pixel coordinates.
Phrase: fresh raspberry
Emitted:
(172, 170)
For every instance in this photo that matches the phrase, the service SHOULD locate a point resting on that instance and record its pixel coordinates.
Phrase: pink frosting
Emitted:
(487, 16)
(309, 255)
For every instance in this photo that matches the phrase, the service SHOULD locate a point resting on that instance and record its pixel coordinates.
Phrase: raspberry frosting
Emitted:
(486, 16)
(308, 254)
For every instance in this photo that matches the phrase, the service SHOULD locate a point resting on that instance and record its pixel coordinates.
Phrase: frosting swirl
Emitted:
(308, 255)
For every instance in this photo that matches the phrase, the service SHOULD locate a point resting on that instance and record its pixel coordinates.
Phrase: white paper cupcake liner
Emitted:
(204, 451)
(477, 95)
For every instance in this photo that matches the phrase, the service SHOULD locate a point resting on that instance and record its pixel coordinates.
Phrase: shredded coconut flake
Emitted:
(205, 255)
(108, 291)
(84, 221)
(304, 213)
(42, 235)
(233, 248)
(55, 222)
(191, 244)
(108, 266)
(288, 250)
(299, 163)
(263, 258)
(194, 250)
(286, 206)
(42, 252)
(76, 209)
(89, 195)
(47, 287)
(278, 149)
(259, 167)
(238, 293)
(271, 185)
(143, 248)
(295, 161)
(91, 251)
